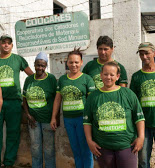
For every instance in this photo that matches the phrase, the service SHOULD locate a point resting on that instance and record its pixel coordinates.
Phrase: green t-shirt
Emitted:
(40, 94)
(10, 68)
(74, 93)
(93, 68)
(113, 116)
(143, 84)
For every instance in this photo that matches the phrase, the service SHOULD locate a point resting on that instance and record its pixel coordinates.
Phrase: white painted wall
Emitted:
(83, 5)
(106, 9)
(123, 26)
(151, 38)
(127, 33)
(13, 10)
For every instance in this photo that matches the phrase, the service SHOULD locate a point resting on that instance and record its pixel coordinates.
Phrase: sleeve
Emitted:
(85, 69)
(25, 87)
(24, 64)
(90, 85)
(132, 85)
(87, 115)
(137, 112)
(123, 77)
(54, 85)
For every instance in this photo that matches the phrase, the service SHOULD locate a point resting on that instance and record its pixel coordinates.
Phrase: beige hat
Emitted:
(146, 46)
(6, 36)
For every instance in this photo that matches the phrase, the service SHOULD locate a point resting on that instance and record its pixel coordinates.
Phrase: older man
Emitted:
(143, 84)
(10, 67)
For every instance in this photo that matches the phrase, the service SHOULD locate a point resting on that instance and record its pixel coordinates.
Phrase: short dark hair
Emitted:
(106, 40)
(114, 64)
(76, 52)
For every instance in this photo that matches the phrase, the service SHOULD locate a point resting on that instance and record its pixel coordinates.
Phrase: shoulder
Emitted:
(136, 74)
(120, 65)
(17, 56)
(127, 91)
(51, 75)
(62, 77)
(90, 63)
(87, 77)
(29, 78)
(94, 95)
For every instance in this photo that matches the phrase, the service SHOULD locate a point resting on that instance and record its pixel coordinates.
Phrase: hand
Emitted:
(31, 121)
(53, 124)
(137, 144)
(93, 146)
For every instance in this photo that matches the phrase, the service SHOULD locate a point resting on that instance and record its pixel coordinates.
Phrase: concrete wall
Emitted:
(151, 37)
(127, 33)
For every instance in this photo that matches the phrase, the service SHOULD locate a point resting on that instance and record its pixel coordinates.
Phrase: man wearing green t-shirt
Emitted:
(143, 84)
(93, 68)
(10, 67)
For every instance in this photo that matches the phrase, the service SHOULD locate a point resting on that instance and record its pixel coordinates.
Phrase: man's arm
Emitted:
(1, 99)
(28, 71)
(31, 120)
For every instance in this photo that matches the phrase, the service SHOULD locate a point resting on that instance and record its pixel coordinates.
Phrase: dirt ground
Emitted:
(153, 157)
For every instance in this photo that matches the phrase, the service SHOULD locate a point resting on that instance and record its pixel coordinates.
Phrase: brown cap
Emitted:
(146, 46)
(6, 36)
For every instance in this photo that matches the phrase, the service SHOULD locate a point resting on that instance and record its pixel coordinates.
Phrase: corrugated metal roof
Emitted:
(148, 21)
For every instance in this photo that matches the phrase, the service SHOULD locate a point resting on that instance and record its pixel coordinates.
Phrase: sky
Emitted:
(148, 5)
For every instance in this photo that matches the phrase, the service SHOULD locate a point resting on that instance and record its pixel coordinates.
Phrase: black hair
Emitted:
(104, 40)
(76, 52)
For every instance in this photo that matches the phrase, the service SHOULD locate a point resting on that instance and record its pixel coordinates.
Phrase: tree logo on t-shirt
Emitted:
(98, 81)
(111, 117)
(148, 93)
(6, 76)
(72, 98)
(36, 97)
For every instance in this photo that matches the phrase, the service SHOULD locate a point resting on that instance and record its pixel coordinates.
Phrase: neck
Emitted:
(103, 62)
(40, 76)
(4, 55)
(105, 88)
(76, 75)
(149, 68)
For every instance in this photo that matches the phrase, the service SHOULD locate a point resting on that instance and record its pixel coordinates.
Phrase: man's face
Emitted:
(104, 53)
(147, 57)
(6, 46)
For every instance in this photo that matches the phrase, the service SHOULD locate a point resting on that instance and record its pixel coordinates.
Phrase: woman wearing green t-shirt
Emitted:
(38, 97)
(114, 122)
(73, 89)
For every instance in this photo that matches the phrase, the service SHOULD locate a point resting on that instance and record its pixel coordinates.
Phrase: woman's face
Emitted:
(74, 63)
(40, 66)
(109, 76)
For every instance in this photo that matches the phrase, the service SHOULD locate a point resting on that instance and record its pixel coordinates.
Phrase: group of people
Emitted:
(103, 118)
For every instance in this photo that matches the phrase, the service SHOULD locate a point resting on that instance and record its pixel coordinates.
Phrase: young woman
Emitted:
(73, 89)
(39, 93)
(113, 122)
